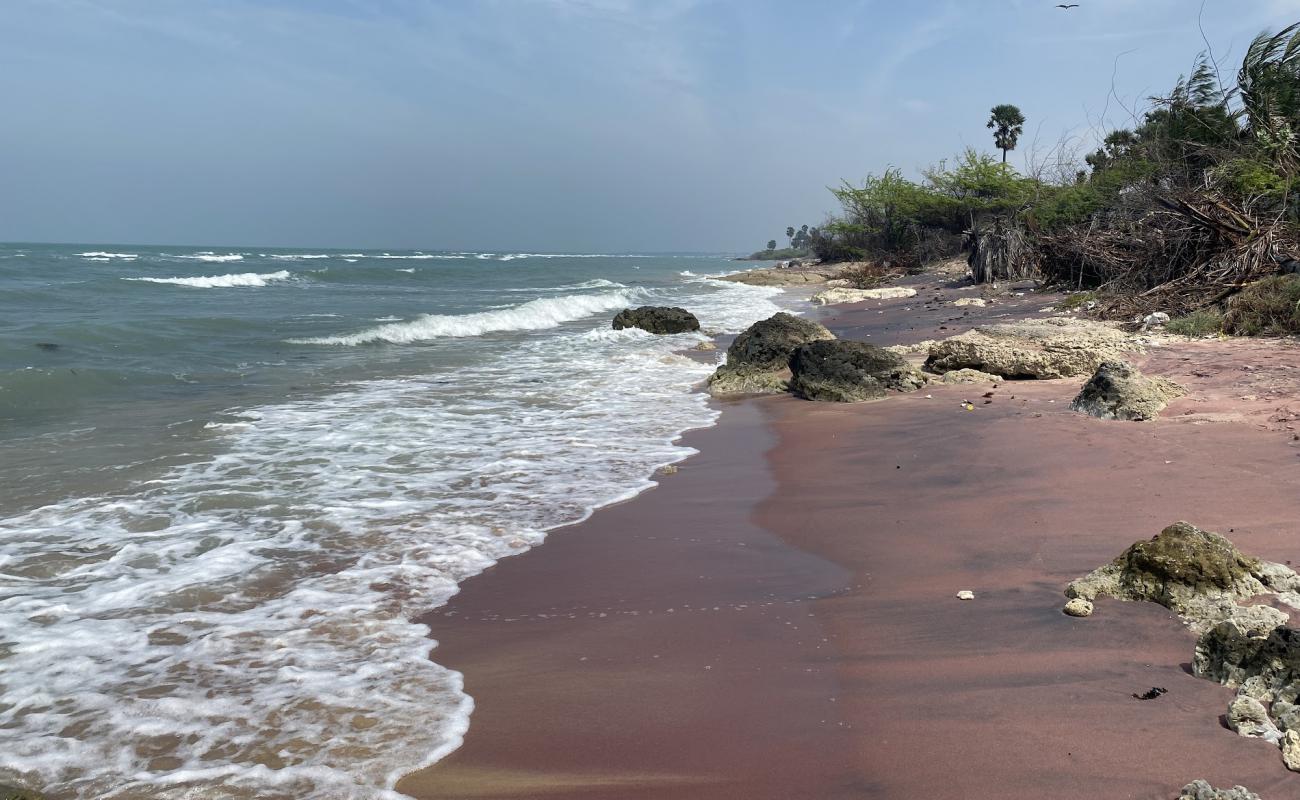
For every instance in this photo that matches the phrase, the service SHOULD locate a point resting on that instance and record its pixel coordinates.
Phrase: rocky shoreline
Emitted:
(992, 450)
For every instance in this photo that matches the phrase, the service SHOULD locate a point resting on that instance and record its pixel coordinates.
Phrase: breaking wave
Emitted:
(222, 281)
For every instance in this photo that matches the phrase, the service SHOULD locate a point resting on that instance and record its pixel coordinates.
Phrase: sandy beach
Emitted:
(779, 619)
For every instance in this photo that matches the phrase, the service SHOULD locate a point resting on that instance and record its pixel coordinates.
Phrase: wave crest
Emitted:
(222, 281)
(546, 312)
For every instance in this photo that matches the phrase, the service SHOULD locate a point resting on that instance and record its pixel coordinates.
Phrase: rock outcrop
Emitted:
(1201, 790)
(1202, 576)
(1118, 390)
(14, 793)
(1050, 348)
(850, 372)
(657, 319)
(758, 361)
(967, 375)
(846, 295)
(776, 276)
(1198, 574)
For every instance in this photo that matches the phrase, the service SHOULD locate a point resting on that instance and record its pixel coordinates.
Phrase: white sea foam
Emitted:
(251, 279)
(242, 621)
(102, 255)
(540, 314)
(408, 270)
(214, 257)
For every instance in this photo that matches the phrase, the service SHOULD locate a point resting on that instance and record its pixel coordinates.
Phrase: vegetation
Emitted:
(1270, 307)
(1205, 322)
(1007, 123)
(800, 246)
(1179, 212)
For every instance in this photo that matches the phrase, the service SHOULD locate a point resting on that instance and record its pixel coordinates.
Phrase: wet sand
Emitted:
(778, 619)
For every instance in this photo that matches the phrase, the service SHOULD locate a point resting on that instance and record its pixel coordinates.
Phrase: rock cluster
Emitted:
(1051, 348)
(1201, 790)
(657, 319)
(850, 372)
(776, 276)
(758, 361)
(1203, 577)
(1117, 390)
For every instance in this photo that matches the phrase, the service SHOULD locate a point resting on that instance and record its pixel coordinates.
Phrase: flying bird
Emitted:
(1067, 6)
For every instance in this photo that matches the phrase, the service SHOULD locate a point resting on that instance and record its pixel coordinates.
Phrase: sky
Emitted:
(544, 125)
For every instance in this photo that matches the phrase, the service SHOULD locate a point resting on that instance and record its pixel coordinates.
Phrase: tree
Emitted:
(771, 244)
(789, 234)
(1007, 123)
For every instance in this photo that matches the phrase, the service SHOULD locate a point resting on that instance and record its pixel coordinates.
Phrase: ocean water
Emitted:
(230, 478)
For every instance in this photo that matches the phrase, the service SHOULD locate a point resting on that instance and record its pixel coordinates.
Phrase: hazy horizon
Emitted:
(702, 126)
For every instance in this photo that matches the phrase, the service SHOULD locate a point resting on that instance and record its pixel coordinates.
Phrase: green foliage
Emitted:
(1269, 87)
(771, 244)
(1206, 322)
(1007, 123)
(1251, 180)
(1270, 307)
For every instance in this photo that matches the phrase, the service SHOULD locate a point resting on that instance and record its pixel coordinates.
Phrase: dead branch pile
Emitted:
(1001, 251)
(1167, 251)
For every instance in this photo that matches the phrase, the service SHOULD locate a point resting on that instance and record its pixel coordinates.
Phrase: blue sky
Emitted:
(550, 125)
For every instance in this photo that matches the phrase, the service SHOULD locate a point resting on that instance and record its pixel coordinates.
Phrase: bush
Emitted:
(1270, 307)
(1206, 322)
(1251, 180)
(1078, 300)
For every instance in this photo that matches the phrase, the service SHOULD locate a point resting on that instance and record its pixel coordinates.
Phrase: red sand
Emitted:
(786, 627)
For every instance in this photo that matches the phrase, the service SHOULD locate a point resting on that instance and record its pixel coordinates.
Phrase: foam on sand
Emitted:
(242, 279)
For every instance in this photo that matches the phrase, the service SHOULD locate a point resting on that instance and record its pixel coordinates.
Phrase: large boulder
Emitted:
(657, 319)
(846, 295)
(850, 372)
(758, 361)
(1198, 574)
(1051, 348)
(1117, 390)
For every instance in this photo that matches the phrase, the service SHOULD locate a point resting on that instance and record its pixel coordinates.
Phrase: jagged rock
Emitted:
(705, 346)
(978, 302)
(1253, 645)
(1291, 750)
(850, 372)
(1248, 717)
(1198, 574)
(1049, 348)
(1078, 607)
(845, 295)
(1200, 790)
(1117, 390)
(964, 376)
(777, 276)
(657, 319)
(1157, 320)
(758, 361)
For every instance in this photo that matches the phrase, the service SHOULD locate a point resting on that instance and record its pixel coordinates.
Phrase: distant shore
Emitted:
(778, 619)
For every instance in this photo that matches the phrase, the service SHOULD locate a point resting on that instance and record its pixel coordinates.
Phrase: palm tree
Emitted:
(1007, 123)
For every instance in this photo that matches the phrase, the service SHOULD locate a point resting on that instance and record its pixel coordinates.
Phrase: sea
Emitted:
(231, 478)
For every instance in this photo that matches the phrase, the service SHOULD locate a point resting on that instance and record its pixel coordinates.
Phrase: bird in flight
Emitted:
(1066, 6)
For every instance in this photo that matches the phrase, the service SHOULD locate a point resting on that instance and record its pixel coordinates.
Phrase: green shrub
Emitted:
(1270, 307)
(1206, 322)
(1078, 300)
(1248, 179)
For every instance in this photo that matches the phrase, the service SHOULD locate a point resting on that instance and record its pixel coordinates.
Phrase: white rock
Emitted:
(1156, 320)
(978, 302)
(965, 594)
(1078, 607)
(834, 296)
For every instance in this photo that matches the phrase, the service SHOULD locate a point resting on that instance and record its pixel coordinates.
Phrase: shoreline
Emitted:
(586, 685)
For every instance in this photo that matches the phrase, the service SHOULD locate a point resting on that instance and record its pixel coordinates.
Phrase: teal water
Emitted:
(230, 477)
